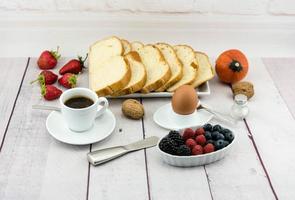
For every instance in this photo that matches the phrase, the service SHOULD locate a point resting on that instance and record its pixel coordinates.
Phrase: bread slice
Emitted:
(111, 76)
(174, 63)
(102, 50)
(205, 71)
(158, 71)
(138, 74)
(135, 46)
(186, 55)
(126, 46)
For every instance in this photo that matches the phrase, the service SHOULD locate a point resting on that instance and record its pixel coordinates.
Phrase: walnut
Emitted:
(244, 87)
(132, 109)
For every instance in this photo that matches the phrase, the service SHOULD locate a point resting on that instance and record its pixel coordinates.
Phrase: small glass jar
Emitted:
(239, 109)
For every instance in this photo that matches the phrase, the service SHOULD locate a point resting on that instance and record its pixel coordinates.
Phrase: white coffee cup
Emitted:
(82, 119)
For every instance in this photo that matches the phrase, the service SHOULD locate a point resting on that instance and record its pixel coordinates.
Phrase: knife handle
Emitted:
(104, 155)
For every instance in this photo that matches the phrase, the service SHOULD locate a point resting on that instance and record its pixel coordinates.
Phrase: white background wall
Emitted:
(259, 27)
(228, 7)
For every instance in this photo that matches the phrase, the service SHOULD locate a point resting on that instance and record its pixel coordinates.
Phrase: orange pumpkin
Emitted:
(231, 66)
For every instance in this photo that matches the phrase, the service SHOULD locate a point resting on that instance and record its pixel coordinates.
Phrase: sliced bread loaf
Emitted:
(102, 50)
(126, 46)
(136, 45)
(138, 74)
(174, 64)
(205, 71)
(158, 71)
(187, 56)
(111, 76)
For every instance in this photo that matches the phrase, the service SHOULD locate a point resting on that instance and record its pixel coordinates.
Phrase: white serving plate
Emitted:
(197, 160)
(202, 90)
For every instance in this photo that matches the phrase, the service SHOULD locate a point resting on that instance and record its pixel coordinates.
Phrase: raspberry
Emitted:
(200, 139)
(208, 148)
(197, 150)
(190, 143)
(199, 131)
(188, 133)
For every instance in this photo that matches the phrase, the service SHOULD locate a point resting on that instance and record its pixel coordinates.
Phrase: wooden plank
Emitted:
(168, 182)
(273, 127)
(239, 175)
(12, 71)
(282, 71)
(32, 164)
(125, 177)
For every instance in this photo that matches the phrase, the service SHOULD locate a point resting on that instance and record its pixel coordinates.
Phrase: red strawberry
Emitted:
(208, 148)
(48, 59)
(46, 77)
(74, 66)
(190, 143)
(200, 139)
(50, 92)
(197, 150)
(188, 133)
(68, 80)
(199, 131)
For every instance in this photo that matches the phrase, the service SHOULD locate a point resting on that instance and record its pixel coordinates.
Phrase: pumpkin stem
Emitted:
(235, 66)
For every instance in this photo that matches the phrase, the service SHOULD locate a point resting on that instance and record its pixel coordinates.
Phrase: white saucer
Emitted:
(167, 118)
(102, 128)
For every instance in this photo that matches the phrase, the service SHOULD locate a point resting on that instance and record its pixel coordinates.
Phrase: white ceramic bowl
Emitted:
(189, 161)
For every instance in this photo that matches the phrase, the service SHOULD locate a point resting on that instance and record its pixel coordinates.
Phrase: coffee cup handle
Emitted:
(104, 103)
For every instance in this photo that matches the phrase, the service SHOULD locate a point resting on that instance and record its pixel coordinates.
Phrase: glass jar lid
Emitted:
(241, 99)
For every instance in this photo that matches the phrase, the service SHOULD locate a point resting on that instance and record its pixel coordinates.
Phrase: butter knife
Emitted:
(104, 155)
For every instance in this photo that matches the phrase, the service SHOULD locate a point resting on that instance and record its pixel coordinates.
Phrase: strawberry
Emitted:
(74, 66)
(68, 80)
(50, 92)
(48, 59)
(46, 77)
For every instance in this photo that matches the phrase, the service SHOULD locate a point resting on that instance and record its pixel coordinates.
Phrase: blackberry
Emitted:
(176, 137)
(207, 127)
(168, 145)
(183, 150)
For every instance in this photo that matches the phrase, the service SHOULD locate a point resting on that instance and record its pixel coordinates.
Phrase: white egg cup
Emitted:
(167, 118)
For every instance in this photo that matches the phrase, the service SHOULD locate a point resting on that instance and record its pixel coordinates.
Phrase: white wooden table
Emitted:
(35, 166)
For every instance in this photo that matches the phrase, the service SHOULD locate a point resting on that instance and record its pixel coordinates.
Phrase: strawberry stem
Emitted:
(41, 79)
(43, 90)
(56, 54)
(34, 81)
(73, 80)
(80, 58)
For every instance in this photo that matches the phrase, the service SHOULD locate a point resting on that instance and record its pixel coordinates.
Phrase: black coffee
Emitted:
(79, 102)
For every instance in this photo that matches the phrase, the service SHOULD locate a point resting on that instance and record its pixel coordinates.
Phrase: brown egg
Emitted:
(185, 100)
